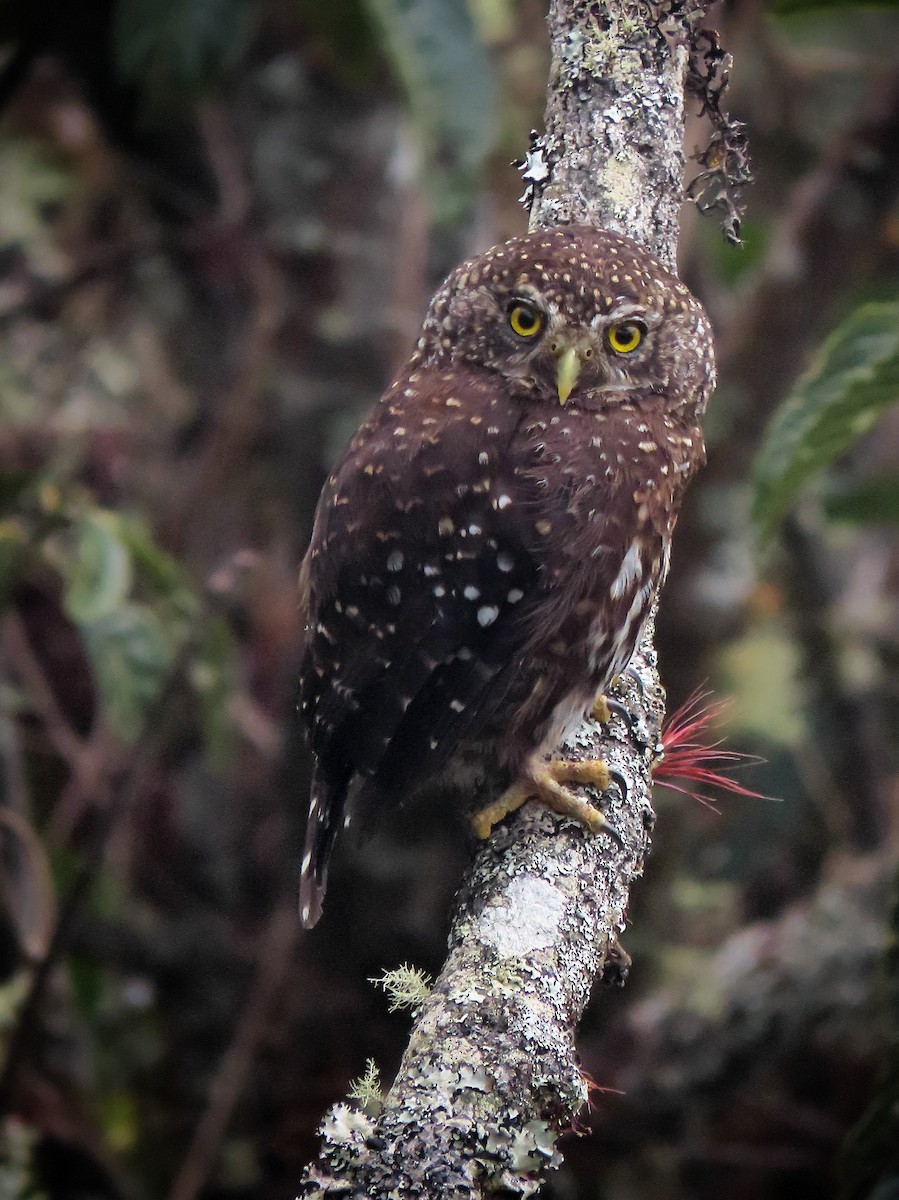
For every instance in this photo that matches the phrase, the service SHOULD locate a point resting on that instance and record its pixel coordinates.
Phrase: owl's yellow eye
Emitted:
(625, 336)
(525, 320)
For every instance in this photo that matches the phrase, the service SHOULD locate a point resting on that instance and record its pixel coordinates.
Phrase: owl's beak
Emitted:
(567, 370)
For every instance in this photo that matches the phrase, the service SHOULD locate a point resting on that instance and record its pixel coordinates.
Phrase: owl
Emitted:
(487, 551)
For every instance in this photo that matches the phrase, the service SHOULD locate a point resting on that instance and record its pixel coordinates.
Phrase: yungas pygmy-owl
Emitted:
(487, 551)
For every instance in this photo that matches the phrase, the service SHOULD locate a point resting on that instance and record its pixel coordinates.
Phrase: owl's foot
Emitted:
(544, 781)
(604, 706)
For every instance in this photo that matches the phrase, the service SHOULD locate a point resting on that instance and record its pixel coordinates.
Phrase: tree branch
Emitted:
(491, 1076)
(769, 992)
(615, 122)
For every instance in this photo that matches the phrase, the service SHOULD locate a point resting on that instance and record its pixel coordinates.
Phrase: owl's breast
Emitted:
(601, 535)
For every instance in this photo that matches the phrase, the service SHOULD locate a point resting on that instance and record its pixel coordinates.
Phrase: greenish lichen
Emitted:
(366, 1090)
(407, 987)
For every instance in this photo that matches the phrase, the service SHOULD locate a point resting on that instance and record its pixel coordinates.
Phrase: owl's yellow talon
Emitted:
(600, 710)
(491, 814)
(544, 782)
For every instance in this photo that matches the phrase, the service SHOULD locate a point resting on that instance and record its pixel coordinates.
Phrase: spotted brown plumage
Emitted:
(486, 553)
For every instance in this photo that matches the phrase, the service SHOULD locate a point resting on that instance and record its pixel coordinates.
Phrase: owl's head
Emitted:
(574, 314)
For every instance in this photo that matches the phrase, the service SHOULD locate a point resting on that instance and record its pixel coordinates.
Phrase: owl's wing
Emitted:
(418, 585)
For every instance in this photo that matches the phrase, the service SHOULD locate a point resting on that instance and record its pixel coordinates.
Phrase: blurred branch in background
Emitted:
(109, 809)
(276, 948)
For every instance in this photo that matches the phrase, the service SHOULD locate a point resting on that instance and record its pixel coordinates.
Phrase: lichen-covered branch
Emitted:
(613, 145)
(491, 1076)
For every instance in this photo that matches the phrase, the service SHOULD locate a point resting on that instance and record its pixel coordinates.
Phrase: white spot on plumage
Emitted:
(457, 706)
(504, 561)
(395, 560)
(514, 595)
(471, 592)
(487, 614)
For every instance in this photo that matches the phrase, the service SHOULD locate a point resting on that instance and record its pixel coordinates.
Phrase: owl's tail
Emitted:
(326, 804)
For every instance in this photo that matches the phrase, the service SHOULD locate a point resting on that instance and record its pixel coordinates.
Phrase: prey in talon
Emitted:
(488, 549)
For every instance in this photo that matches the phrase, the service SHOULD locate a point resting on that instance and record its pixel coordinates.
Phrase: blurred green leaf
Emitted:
(735, 262)
(100, 575)
(17, 1177)
(888, 1190)
(12, 992)
(157, 570)
(342, 34)
(174, 49)
(448, 78)
(130, 656)
(787, 7)
(871, 503)
(120, 1120)
(13, 558)
(761, 671)
(88, 981)
(214, 680)
(12, 485)
(853, 379)
(495, 19)
(32, 183)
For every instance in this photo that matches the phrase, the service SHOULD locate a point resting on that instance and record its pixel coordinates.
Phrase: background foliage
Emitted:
(220, 221)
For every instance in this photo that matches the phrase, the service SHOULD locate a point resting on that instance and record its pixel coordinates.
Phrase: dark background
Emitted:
(220, 223)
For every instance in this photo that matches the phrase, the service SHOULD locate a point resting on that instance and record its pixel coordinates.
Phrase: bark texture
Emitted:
(491, 1076)
(613, 145)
